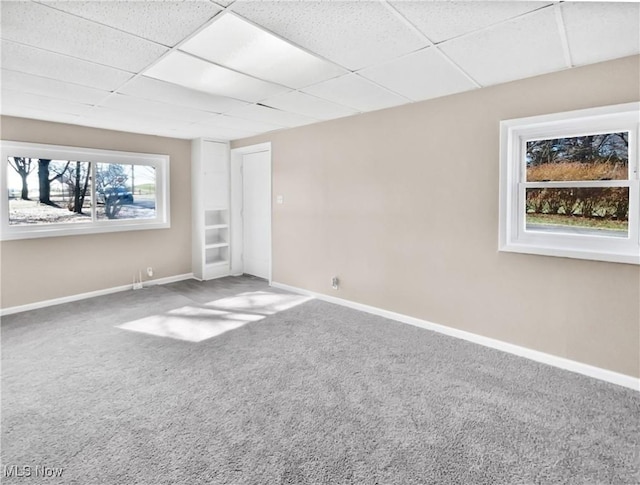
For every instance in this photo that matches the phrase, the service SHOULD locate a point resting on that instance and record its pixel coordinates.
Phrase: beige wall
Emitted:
(402, 205)
(41, 269)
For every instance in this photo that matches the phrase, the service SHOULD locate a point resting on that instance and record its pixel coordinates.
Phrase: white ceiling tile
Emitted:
(307, 105)
(111, 115)
(445, 20)
(356, 92)
(106, 123)
(156, 90)
(36, 61)
(271, 115)
(41, 26)
(169, 133)
(134, 126)
(351, 34)
(132, 104)
(597, 31)
(18, 99)
(165, 22)
(422, 75)
(198, 130)
(37, 114)
(173, 132)
(240, 124)
(28, 83)
(235, 43)
(193, 73)
(118, 118)
(527, 46)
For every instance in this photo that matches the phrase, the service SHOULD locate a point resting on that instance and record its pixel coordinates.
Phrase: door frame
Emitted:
(236, 230)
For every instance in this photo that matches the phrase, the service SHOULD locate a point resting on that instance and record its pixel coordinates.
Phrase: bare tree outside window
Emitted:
(24, 167)
(49, 194)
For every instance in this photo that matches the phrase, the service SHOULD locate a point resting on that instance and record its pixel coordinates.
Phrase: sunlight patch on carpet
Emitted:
(190, 323)
(195, 324)
(263, 302)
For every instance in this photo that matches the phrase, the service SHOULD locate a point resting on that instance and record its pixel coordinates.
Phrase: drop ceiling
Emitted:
(232, 69)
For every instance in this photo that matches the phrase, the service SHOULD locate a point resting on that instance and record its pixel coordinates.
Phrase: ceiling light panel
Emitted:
(235, 43)
(422, 75)
(356, 92)
(28, 83)
(41, 26)
(154, 108)
(351, 34)
(31, 60)
(193, 73)
(527, 46)
(165, 22)
(156, 90)
(271, 115)
(307, 105)
(599, 31)
(445, 20)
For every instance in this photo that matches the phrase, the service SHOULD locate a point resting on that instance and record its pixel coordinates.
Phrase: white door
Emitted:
(256, 213)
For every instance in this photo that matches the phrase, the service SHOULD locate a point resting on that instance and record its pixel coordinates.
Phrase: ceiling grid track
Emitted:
(563, 35)
(430, 43)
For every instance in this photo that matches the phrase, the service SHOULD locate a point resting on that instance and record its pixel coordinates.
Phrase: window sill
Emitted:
(574, 253)
(79, 229)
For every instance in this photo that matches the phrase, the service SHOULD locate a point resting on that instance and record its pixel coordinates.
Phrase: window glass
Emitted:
(55, 190)
(602, 156)
(44, 191)
(125, 191)
(593, 211)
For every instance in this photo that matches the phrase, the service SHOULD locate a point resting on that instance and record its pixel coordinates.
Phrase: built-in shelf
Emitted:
(216, 237)
(216, 217)
(217, 245)
(210, 181)
(217, 255)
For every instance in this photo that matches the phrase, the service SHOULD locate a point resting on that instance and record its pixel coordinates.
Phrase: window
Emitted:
(569, 184)
(54, 190)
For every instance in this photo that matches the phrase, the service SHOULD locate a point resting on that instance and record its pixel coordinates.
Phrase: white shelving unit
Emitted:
(210, 193)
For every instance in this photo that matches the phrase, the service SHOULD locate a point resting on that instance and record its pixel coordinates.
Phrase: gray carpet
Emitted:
(313, 394)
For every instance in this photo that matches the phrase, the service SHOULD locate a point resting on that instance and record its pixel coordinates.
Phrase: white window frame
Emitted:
(94, 155)
(514, 134)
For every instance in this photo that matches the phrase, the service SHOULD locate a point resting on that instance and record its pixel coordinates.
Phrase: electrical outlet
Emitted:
(335, 283)
(149, 271)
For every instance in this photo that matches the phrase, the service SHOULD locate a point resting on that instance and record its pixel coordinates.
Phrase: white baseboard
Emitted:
(91, 294)
(562, 363)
